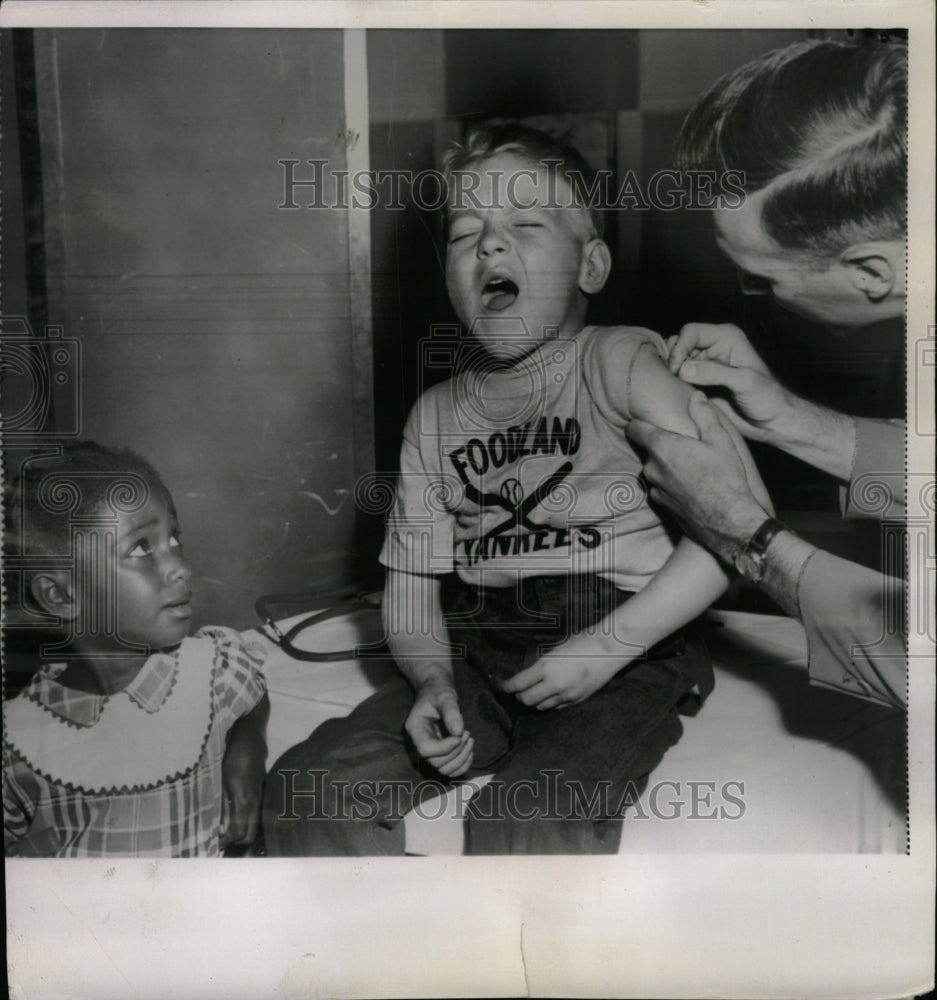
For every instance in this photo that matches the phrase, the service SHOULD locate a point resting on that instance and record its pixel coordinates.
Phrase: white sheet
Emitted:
(769, 764)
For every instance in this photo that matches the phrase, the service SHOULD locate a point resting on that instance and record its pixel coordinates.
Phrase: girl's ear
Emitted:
(52, 591)
(595, 267)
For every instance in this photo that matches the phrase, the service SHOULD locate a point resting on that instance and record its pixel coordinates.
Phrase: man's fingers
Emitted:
(706, 417)
(694, 337)
(736, 380)
(641, 433)
(682, 346)
(755, 482)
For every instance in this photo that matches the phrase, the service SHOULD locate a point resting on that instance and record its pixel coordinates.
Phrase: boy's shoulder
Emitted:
(608, 337)
(612, 349)
(436, 403)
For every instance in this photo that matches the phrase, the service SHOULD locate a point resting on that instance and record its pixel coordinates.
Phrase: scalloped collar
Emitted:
(148, 690)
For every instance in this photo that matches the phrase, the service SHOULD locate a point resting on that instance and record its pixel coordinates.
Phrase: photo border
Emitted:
(654, 925)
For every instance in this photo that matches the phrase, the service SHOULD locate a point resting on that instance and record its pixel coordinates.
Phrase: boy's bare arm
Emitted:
(683, 588)
(418, 640)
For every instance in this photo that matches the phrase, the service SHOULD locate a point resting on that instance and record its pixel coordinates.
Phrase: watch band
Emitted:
(759, 542)
(750, 560)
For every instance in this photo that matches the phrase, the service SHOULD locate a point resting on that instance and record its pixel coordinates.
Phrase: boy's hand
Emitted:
(242, 778)
(562, 678)
(437, 731)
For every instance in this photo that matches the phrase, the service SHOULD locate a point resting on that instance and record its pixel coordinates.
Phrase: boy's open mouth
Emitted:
(499, 294)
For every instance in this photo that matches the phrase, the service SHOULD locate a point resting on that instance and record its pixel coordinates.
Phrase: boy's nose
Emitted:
(493, 240)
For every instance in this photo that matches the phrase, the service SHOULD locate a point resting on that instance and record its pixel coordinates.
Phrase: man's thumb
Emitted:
(715, 373)
(704, 415)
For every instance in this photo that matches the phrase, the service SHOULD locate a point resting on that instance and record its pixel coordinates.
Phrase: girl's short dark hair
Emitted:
(536, 146)
(49, 493)
(823, 125)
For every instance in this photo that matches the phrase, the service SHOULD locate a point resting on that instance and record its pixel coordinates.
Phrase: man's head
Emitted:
(523, 250)
(97, 535)
(819, 130)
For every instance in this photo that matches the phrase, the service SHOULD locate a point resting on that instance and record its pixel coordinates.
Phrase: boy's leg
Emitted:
(345, 790)
(561, 789)
(314, 799)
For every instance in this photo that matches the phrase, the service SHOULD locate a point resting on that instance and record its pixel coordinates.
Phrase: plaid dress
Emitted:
(137, 773)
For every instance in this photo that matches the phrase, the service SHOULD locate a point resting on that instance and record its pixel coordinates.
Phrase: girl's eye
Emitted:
(529, 225)
(175, 542)
(140, 550)
(461, 235)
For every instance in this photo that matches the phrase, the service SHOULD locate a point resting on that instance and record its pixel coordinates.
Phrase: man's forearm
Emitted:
(818, 436)
(785, 560)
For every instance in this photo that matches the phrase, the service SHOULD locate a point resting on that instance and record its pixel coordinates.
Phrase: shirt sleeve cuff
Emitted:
(877, 486)
(849, 645)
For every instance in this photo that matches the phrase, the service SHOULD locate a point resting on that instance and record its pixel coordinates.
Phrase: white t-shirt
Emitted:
(526, 471)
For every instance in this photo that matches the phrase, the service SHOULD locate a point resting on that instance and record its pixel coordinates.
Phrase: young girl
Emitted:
(131, 739)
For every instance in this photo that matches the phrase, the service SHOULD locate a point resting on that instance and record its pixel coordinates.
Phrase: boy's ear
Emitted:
(52, 591)
(595, 267)
(876, 269)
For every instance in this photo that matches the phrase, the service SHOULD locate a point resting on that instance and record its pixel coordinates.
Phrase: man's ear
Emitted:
(595, 267)
(52, 591)
(876, 269)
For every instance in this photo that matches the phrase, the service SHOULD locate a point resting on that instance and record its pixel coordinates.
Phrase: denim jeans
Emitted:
(561, 777)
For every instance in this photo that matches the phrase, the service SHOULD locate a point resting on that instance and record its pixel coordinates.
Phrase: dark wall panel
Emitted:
(214, 326)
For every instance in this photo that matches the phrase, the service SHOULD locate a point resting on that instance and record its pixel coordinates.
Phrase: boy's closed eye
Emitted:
(461, 231)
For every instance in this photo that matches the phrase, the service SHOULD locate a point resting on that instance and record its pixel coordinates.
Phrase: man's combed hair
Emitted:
(823, 126)
(50, 493)
(533, 145)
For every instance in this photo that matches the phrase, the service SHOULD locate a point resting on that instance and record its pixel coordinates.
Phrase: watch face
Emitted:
(750, 566)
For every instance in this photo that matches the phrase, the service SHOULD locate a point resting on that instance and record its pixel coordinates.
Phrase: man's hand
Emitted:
(437, 731)
(706, 354)
(562, 677)
(711, 484)
(721, 342)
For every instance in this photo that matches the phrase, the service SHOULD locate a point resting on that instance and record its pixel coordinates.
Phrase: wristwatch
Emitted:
(750, 560)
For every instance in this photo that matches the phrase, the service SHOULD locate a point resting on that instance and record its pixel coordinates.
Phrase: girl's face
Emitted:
(133, 578)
